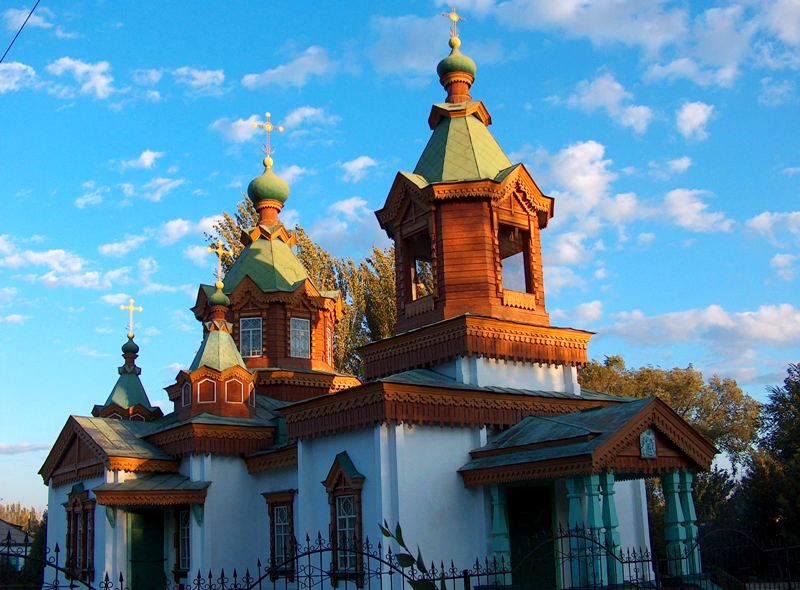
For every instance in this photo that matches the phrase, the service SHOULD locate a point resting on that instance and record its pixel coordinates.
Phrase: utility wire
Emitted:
(10, 45)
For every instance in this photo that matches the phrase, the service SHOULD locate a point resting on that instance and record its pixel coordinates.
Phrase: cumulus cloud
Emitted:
(605, 93)
(305, 115)
(776, 226)
(349, 223)
(15, 76)
(146, 160)
(14, 18)
(775, 93)
(313, 62)
(236, 130)
(200, 80)
(158, 188)
(148, 77)
(355, 170)
(679, 165)
(292, 173)
(687, 209)
(584, 173)
(92, 195)
(559, 278)
(783, 19)
(121, 248)
(176, 229)
(115, 298)
(783, 265)
(19, 448)
(692, 118)
(94, 78)
(197, 254)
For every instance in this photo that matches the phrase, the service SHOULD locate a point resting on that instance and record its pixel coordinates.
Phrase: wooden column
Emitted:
(501, 544)
(576, 525)
(674, 529)
(596, 566)
(610, 524)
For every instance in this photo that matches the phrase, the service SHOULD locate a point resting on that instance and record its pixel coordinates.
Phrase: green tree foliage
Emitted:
(718, 409)
(367, 286)
(768, 499)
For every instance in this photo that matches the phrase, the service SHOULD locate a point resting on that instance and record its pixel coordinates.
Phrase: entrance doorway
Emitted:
(530, 524)
(146, 534)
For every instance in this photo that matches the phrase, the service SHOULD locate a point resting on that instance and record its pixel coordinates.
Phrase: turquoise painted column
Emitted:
(610, 523)
(674, 530)
(501, 543)
(596, 558)
(575, 523)
(690, 521)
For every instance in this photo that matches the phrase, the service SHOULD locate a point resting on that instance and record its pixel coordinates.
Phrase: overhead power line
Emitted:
(27, 18)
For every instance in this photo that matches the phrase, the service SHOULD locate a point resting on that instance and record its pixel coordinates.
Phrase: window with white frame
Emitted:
(184, 543)
(346, 532)
(250, 336)
(281, 533)
(300, 338)
(281, 536)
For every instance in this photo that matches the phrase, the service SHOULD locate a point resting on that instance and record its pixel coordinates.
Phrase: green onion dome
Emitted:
(268, 187)
(218, 297)
(456, 61)
(130, 347)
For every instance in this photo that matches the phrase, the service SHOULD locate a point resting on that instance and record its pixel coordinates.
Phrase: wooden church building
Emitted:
(470, 428)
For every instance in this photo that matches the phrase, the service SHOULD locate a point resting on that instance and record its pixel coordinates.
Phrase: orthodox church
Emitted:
(471, 428)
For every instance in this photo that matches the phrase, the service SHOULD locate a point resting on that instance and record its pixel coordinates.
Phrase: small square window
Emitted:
(250, 336)
(300, 338)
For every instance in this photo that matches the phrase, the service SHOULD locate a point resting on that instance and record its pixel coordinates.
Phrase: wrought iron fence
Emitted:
(572, 558)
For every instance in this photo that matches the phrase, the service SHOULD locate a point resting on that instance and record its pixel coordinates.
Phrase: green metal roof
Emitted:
(120, 438)
(461, 148)
(154, 482)
(560, 436)
(266, 415)
(218, 351)
(128, 391)
(347, 466)
(427, 377)
(271, 264)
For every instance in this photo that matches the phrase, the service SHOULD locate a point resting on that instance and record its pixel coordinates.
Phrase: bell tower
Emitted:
(466, 225)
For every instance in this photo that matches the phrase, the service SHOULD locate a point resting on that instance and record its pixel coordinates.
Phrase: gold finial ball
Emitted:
(219, 284)
(268, 162)
(455, 42)
(130, 335)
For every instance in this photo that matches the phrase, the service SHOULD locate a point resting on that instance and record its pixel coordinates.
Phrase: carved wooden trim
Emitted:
(151, 498)
(203, 438)
(142, 465)
(279, 459)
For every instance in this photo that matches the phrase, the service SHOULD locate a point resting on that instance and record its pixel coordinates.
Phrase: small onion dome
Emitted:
(130, 347)
(456, 61)
(218, 298)
(268, 187)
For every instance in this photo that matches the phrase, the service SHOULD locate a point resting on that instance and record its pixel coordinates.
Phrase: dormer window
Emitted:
(300, 338)
(250, 337)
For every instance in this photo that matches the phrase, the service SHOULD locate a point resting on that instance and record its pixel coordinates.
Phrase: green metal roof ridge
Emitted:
(271, 264)
(218, 351)
(127, 392)
(121, 438)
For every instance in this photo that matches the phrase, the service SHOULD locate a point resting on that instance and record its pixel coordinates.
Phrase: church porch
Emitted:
(568, 501)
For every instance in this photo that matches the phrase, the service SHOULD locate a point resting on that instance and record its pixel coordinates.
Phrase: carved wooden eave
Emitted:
(135, 412)
(679, 446)
(313, 379)
(151, 497)
(273, 460)
(266, 233)
(382, 402)
(75, 456)
(192, 438)
(517, 181)
(469, 335)
(474, 108)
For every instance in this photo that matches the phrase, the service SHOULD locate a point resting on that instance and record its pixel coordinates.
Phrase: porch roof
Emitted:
(542, 447)
(152, 489)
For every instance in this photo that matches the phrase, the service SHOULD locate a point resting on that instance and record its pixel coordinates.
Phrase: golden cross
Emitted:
(268, 127)
(220, 252)
(454, 19)
(131, 308)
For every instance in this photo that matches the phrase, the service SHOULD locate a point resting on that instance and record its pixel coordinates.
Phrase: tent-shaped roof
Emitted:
(271, 264)
(218, 351)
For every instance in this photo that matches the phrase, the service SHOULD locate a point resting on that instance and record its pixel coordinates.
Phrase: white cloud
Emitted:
(159, 187)
(236, 130)
(558, 278)
(13, 318)
(604, 92)
(83, 280)
(687, 209)
(692, 118)
(94, 78)
(56, 260)
(782, 263)
(147, 159)
(775, 93)
(588, 312)
(18, 448)
(149, 267)
(355, 170)
(115, 298)
(121, 248)
(309, 115)
(582, 170)
(645, 238)
(15, 76)
(776, 226)
(314, 61)
(173, 230)
(783, 19)
(148, 77)
(204, 81)
(568, 248)
(348, 223)
(292, 173)
(15, 17)
(206, 224)
(773, 325)
(7, 294)
(127, 189)
(199, 255)
(679, 165)
(93, 194)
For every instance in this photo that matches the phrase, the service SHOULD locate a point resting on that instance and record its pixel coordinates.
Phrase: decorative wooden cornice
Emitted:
(189, 439)
(281, 497)
(273, 460)
(475, 336)
(381, 402)
(143, 465)
(150, 498)
(69, 474)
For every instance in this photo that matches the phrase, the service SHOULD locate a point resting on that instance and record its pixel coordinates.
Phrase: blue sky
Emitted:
(666, 131)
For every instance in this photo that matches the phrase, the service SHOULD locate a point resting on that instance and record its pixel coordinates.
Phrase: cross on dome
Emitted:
(131, 308)
(220, 252)
(454, 20)
(268, 128)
